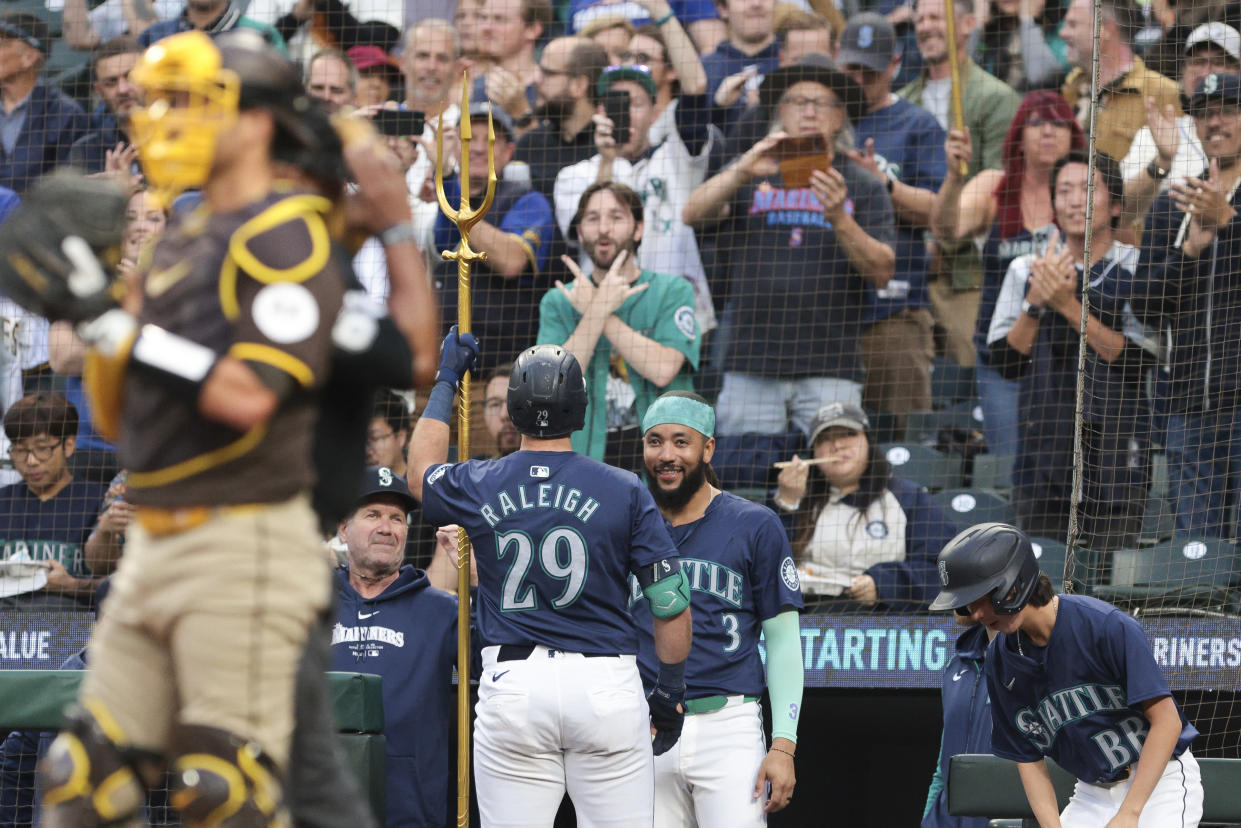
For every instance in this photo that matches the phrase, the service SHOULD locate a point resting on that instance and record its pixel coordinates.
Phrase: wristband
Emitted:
(1155, 171)
(661, 21)
(784, 504)
(671, 676)
(1032, 311)
(399, 233)
(439, 405)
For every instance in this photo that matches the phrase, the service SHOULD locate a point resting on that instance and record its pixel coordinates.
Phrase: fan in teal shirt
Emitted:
(664, 312)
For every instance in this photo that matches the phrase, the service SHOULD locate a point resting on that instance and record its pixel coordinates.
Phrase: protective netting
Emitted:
(869, 263)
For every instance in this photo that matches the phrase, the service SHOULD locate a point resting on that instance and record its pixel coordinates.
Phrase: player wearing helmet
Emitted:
(213, 386)
(556, 535)
(1072, 678)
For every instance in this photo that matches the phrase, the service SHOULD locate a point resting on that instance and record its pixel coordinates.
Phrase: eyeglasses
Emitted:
(21, 454)
(633, 67)
(493, 405)
(639, 58)
(1039, 120)
(377, 437)
(821, 105)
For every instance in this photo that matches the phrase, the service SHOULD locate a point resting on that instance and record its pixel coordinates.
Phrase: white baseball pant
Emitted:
(707, 778)
(1176, 801)
(560, 721)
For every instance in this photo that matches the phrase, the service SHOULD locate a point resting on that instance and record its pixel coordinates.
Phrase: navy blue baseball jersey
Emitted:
(740, 569)
(1077, 700)
(555, 535)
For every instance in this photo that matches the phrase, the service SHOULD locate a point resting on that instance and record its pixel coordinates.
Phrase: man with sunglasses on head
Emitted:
(663, 156)
(46, 518)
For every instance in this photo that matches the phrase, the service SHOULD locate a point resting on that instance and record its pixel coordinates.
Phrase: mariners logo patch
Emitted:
(685, 321)
(437, 474)
(385, 476)
(877, 529)
(788, 574)
(943, 572)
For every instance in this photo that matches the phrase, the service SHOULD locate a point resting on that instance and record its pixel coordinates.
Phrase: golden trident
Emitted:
(465, 218)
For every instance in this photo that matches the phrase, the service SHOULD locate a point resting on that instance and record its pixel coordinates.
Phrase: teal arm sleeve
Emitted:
(784, 673)
(937, 781)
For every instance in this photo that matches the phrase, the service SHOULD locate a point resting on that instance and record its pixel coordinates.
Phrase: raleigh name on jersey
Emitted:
(1078, 701)
(555, 535)
(740, 570)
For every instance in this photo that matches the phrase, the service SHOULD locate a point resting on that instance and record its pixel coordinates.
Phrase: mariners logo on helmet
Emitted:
(990, 560)
(943, 572)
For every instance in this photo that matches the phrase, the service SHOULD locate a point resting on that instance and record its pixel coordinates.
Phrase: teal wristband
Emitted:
(661, 21)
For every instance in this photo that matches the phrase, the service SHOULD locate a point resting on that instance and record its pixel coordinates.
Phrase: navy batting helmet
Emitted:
(992, 559)
(547, 393)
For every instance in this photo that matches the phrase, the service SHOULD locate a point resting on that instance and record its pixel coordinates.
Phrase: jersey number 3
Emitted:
(519, 596)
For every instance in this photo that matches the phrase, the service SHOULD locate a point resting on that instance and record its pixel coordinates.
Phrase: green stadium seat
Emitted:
(1051, 555)
(967, 507)
(951, 382)
(993, 471)
(923, 426)
(923, 465)
(1158, 521)
(1180, 576)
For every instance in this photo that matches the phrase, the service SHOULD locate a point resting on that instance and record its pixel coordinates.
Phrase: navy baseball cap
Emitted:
(28, 29)
(1214, 87)
(869, 40)
(381, 480)
(499, 118)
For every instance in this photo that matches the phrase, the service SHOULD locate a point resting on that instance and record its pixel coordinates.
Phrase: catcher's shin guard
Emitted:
(221, 779)
(87, 777)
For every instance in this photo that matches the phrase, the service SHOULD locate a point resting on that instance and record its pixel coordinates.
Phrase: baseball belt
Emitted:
(709, 704)
(521, 652)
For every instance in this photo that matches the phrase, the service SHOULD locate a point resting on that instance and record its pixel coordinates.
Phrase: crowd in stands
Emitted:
(773, 204)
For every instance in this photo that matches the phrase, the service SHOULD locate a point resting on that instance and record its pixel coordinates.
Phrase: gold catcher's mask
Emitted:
(190, 99)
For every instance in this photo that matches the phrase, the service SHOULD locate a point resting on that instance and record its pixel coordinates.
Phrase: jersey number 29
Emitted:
(517, 597)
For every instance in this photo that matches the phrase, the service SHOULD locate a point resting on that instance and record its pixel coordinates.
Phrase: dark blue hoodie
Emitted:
(967, 725)
(408, 636)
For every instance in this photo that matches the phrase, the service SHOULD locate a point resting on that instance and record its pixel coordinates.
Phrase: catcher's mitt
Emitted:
(50, 247)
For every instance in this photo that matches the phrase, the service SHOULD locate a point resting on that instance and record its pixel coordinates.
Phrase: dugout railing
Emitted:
(35, 700)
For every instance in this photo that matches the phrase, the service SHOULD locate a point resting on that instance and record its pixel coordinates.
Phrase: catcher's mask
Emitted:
(190, 99)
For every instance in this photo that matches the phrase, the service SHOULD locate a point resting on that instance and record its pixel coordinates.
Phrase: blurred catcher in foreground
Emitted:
(212, 391)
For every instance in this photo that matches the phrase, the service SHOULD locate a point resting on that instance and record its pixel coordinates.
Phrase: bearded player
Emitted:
(743, 583)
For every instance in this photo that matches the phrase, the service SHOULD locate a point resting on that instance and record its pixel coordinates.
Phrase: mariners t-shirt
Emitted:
(555, 536)
(799, 301)
(1079, 700)
(664, 312)
(55, 529)
(741, 573)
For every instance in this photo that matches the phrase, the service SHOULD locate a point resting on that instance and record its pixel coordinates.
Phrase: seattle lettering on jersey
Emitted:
(799, 206)
(1121, 746)
(704, 576)
(544, 496)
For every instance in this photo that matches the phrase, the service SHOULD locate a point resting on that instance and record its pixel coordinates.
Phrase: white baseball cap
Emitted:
(1221, 34)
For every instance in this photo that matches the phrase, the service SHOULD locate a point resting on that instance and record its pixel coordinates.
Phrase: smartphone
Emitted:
(756, 80)
(401, 123)
(616, 107)
(799, 157)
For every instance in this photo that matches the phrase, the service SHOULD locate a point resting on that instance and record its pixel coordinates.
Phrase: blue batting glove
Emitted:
(458, 354)
(667, 717)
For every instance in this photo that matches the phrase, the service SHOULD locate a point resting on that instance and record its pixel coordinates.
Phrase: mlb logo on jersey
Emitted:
(540, 472)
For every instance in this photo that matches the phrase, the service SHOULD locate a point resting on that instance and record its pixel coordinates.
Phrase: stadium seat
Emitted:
(967, 507)
(993, 471)
(950, 382)
(1158, 521)
(923, 426)
(1160, 486)
(1051, 554)
(1180, 576)
(744, 461)
(923, 465)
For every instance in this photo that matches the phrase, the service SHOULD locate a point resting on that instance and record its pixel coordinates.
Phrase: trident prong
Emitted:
(465, 217)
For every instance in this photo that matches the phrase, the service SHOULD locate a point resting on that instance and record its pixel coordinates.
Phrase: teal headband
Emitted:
(680, 411)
